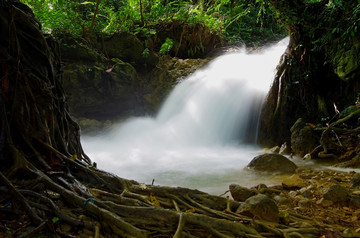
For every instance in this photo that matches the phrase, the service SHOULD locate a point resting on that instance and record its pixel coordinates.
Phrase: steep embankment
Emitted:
(318, 75)
(319, 70)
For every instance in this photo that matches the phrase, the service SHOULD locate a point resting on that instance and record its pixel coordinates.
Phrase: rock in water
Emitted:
(240, 193)
(272, 163)
(260, 206)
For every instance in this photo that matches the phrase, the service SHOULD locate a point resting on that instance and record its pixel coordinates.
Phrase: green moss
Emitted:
(347, 111)
(347, 62)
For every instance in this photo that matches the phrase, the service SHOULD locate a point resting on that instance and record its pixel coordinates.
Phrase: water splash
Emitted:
(199, 137)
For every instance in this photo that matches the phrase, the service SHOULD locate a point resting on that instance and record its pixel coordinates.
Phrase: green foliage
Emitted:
(241, 21)
(166, 47)
(146, 53)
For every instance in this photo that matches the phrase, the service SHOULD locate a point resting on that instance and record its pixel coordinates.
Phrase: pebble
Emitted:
(306, 192)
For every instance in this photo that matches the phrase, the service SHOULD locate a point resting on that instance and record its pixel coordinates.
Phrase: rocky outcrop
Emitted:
(102, 90)
(274, 163)
(117, 80)
(317, 71)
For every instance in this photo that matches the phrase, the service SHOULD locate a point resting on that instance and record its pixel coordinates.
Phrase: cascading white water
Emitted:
(199, 137)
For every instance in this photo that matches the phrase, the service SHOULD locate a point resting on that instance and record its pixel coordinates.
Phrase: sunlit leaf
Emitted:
(55, 219)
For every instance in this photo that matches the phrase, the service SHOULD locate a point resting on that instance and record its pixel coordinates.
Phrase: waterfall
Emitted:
(202, 130)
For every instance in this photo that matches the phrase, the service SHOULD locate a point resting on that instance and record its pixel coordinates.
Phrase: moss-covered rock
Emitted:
(304, 138)
(348, 61)
(101, 91)
(77, 50)
(261, 207)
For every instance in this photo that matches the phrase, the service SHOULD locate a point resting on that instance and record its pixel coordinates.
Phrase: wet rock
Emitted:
(355, 201)
(272, 163)
(306, 192)
(353, 163)
(261, 186)
(260, 206)
(336, 193)
(355, 181)
(293, 182)
(284, 149)
(305, 203)
(324, 202)
(240, 193)
(303, 138)
(281, 200)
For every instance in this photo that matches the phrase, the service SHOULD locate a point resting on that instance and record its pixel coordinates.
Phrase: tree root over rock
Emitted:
(144, 211)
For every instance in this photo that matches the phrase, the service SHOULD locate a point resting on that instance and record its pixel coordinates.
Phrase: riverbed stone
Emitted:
(355, 181)
(261, 207)
(324, 202)
(306, 192)
(305, 203)
(336, 193)
(355, 201)
(282, 200)
(272, 163)
(240, 193)
(293, 182)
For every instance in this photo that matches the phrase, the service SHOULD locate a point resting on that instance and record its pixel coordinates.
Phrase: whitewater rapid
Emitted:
(205, 132)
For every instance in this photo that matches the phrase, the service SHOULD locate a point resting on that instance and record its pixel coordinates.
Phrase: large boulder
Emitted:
(261, 207)
(272, 163)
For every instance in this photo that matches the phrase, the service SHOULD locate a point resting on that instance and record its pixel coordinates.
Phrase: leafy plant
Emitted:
(244, 21)
(166, 46)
